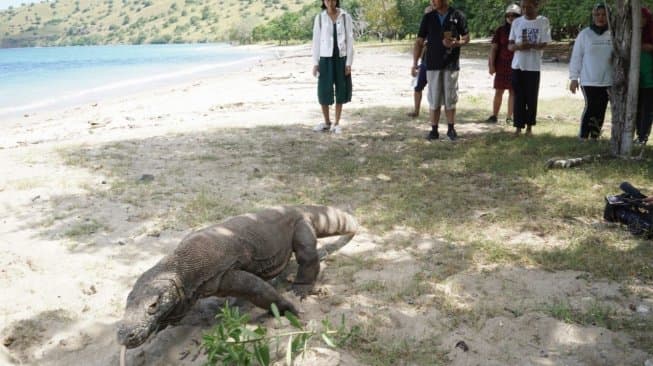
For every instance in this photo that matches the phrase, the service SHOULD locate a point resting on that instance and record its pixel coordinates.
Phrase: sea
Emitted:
(45, 78)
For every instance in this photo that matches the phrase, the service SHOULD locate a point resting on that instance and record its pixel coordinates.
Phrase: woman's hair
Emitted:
(337, 4)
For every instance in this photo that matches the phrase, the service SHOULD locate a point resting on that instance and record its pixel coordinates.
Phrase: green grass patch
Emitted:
(83, 229)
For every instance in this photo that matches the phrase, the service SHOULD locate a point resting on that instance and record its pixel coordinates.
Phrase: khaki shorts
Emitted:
(443, 88)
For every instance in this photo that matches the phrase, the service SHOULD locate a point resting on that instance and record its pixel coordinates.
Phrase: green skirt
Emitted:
(332, 73)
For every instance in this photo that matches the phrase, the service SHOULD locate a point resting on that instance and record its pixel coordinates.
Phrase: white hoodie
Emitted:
(323, 36)
(591, 58)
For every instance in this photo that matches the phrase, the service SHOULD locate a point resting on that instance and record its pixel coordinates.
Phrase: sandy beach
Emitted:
(70, 250)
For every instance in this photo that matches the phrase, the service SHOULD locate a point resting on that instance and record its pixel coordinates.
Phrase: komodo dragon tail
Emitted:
(330, 221)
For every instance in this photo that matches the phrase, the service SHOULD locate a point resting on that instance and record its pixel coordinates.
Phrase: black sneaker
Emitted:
(433, 135)
(451, 134)
(492, 119)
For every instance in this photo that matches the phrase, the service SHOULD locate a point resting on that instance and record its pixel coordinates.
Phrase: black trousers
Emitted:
(526, 87)
(644, 113)
(596, 102)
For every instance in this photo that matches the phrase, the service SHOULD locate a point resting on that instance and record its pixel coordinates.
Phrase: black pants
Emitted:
(526, 87)
(596, 101)
(644, 113)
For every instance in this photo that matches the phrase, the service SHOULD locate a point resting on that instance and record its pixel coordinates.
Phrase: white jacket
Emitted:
(323, 36)
(591, 58)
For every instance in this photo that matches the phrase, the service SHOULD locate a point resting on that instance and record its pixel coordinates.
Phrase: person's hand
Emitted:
(492, 69)
(316, 69)
(573, 86)
(414, 70)
(347, 70)
(648, 200)
(447, 42)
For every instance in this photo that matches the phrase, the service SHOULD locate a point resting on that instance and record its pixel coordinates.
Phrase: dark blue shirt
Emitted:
(438, 57)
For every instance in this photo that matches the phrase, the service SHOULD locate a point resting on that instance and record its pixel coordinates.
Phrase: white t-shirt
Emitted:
(537, 30)
(591, 58)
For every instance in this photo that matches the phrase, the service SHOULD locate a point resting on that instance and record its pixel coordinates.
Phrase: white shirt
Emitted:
(591, 58)
(537, 30)
(323, 36)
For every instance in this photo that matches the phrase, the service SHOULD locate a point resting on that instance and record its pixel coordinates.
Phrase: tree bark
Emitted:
(625, 23)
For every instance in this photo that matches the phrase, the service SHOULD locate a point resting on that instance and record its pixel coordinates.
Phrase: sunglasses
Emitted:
(512, 15)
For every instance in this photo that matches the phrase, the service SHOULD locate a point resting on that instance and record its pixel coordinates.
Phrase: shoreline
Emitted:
(133, 84)
(114, 92)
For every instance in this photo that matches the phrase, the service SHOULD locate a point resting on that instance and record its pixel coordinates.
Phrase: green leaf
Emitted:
(250, 335)
(293, 320)
(275, 311)
(328, 340)
(262, 354)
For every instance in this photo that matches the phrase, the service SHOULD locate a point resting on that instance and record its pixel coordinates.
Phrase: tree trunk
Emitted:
(625, 22)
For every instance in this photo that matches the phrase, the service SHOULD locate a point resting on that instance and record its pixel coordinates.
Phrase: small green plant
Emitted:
(233, 342)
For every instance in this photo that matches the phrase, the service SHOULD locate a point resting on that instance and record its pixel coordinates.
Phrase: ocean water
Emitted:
(49, 77)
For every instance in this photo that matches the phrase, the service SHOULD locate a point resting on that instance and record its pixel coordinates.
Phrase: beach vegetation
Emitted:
(235, 341)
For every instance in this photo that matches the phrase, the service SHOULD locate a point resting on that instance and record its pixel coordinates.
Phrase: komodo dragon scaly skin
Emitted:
(233, 258)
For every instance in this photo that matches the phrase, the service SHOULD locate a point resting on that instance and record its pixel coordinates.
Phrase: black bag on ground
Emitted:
(628, 208)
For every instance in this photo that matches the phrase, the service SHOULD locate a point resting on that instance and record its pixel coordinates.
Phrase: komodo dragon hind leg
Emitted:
(245, 285)
(304, 245)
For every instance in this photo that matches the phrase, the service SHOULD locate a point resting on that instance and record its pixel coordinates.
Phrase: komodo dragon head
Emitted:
(153, 303)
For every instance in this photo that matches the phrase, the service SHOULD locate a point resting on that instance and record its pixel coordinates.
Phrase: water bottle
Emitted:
(413, 83)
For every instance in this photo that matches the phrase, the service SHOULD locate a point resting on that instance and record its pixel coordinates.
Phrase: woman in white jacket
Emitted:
(333, 54)
(591, 67)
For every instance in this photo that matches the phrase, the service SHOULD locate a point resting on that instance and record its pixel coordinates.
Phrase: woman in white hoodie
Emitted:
(591, 67)
(333, 54)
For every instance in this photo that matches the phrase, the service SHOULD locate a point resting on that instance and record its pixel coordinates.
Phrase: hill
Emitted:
(75, 22)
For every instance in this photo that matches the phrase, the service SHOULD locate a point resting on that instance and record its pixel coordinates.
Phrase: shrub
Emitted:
(232, 342)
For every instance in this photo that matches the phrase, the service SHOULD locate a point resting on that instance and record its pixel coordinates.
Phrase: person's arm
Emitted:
(512, 36)
(316, 44)
(461, 28)
(491, 62)
(546, 35)
(576, 63)
(417, 53)
(350, 44)
(419, 45)
(463, 40)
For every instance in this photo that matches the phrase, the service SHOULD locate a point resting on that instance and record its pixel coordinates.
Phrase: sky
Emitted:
(4, 4)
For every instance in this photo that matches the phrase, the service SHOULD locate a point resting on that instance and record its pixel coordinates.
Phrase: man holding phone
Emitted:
(446, 31)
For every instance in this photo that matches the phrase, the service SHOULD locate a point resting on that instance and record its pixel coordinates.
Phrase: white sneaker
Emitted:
(336, 129)
(321, 127)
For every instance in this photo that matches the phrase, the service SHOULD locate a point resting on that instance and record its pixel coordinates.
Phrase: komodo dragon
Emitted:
(233, 258)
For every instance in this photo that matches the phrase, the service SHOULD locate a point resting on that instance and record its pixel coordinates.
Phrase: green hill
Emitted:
(75, 22)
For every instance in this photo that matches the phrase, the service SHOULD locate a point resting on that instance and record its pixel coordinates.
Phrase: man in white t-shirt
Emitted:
(529, 34)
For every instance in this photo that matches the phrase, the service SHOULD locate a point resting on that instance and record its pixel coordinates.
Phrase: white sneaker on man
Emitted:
(336, 129)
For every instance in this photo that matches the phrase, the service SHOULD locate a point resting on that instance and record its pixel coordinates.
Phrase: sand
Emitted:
(63, 292)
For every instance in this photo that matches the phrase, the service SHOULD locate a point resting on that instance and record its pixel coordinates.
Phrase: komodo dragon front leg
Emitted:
(248, 286)
(304, 245)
